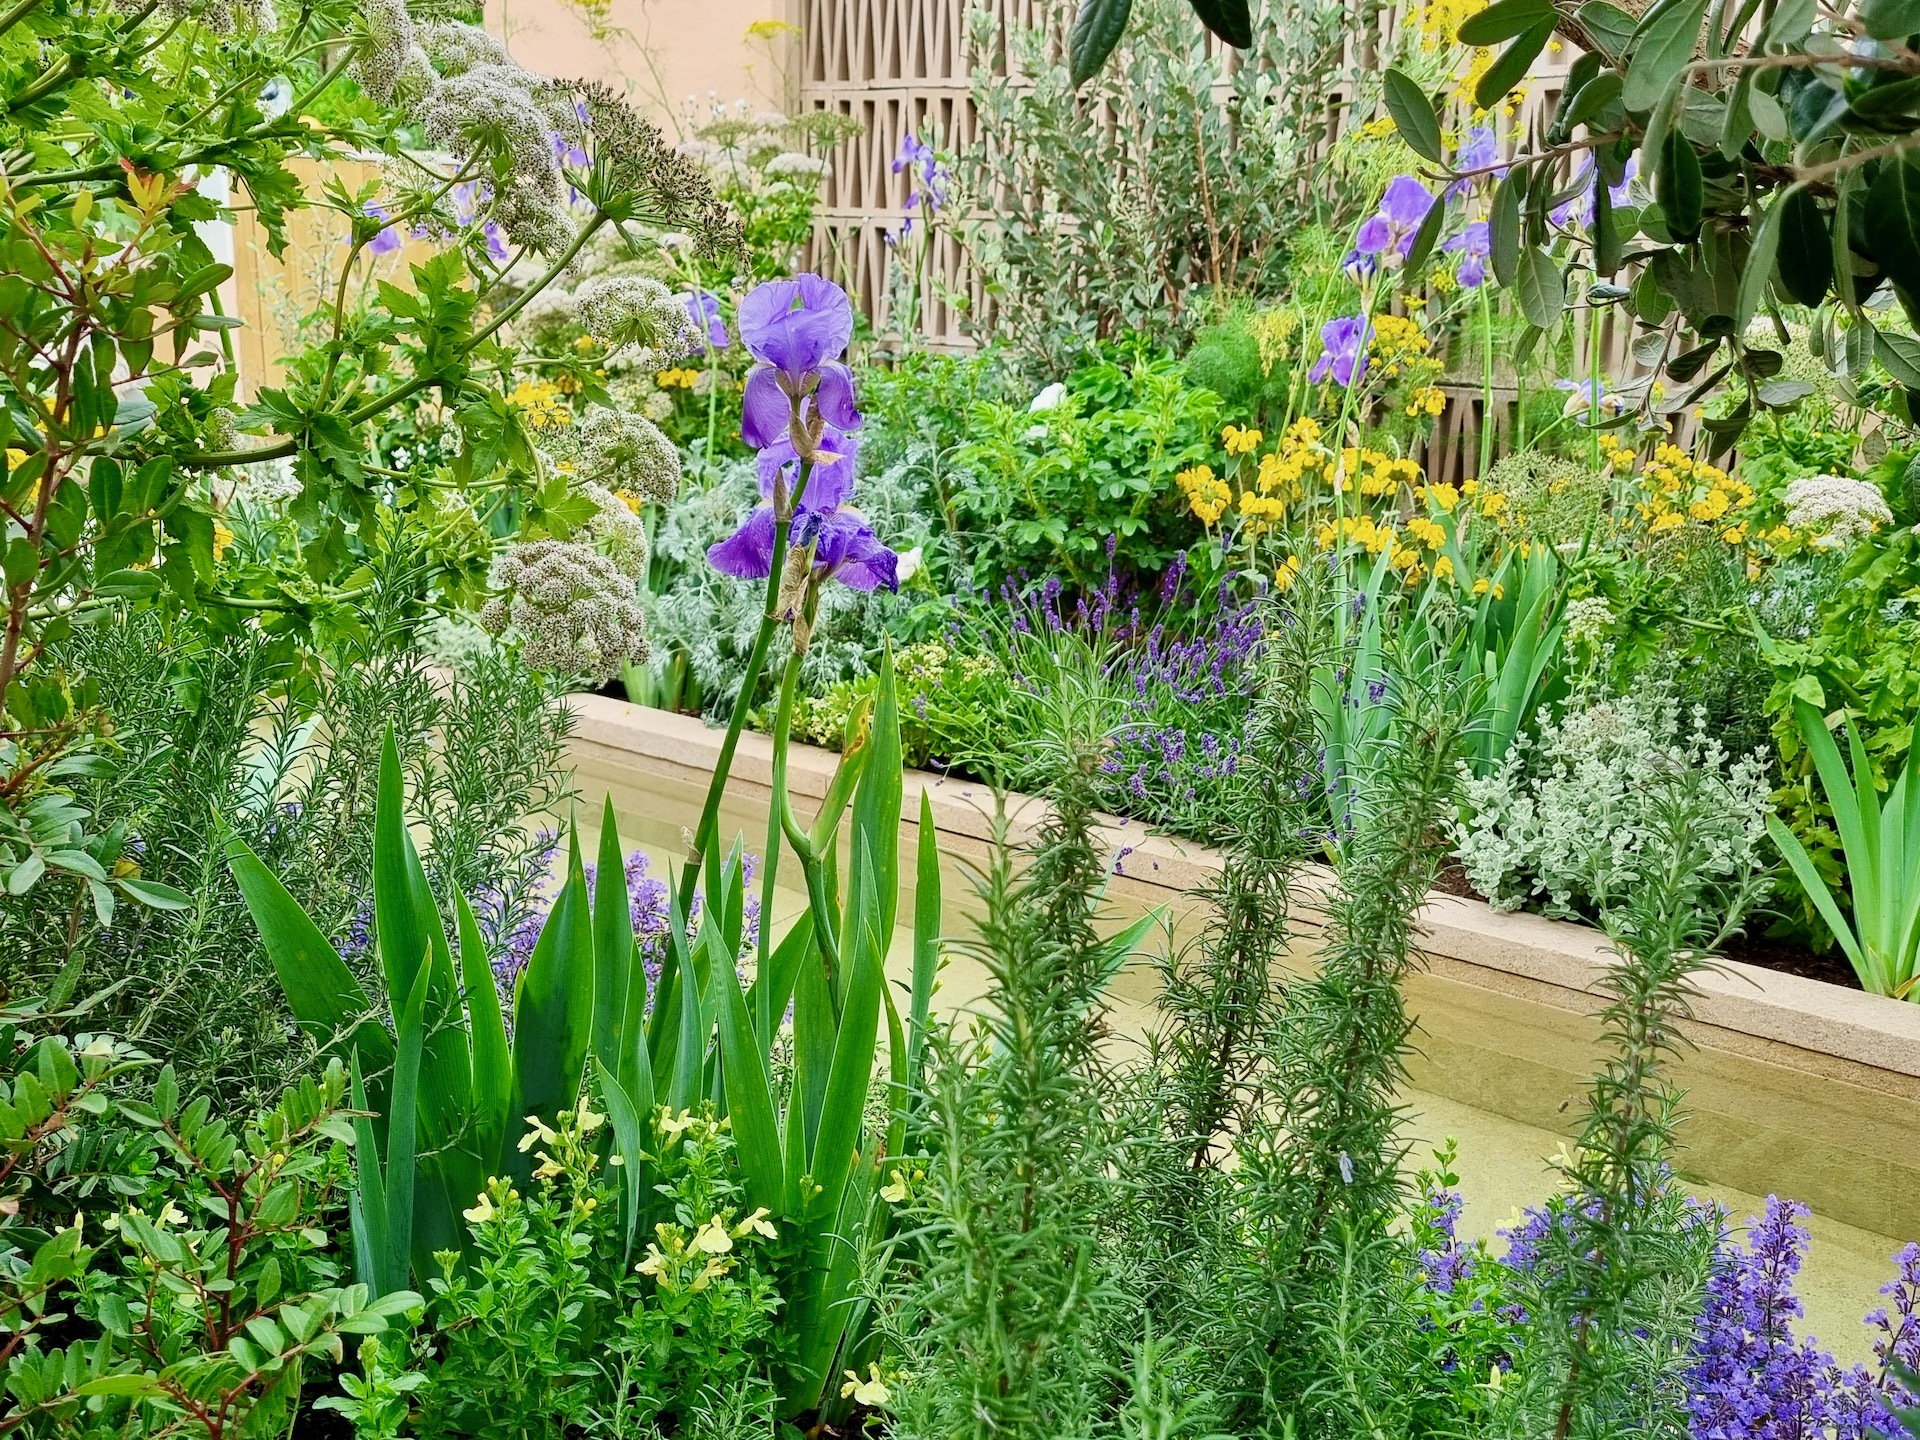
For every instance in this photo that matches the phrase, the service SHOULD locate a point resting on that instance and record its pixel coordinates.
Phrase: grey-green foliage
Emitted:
(1611, 1303)
(706, 621)
(1106, 210)
(210, 734)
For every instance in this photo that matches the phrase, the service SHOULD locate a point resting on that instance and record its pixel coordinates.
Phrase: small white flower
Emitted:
(1050, 398)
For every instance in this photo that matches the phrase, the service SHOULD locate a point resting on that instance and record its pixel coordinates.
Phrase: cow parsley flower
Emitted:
(622, 451)
(614, 530)
(384, 55)
(1839, 508)
(456, 47)
(573, 609)
(635, 310)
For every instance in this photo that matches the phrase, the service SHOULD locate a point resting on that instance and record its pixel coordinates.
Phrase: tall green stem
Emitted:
(1486, 367)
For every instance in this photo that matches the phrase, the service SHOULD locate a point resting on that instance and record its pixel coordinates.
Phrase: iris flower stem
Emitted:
(1486, 360)
(756, 662)
(812, 857)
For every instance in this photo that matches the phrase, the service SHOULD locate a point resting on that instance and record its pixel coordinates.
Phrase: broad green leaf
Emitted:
(876, 808)
(1893, 219)
(1596, 95)
(1889, 19)
(1542, 288)
(926, 937)
(327, 1002)
(756, 1130)
(400, 929)
(1096, 30)
(403, 1128)
(1679, 187)
(157, 896)
(1424, 240)
(629, 1119)
(614, 957)
(492, 1059)
(1413, 115)
(1512, 64)
(1662, 46)
(1610, 27)
(1900, 354)
(1503, 20)
(552, 1015)
(1503, 226)
(1804, 249)
(1231, 20)
(863, 951)
(1760, 262)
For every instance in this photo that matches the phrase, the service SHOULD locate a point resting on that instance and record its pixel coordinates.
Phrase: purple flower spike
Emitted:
(1345, 354)
(703, 308)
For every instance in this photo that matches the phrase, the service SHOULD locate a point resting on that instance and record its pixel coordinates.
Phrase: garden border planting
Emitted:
(1795, 1086)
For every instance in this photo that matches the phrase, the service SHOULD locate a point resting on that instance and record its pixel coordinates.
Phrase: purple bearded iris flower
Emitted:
(1389, 232)
(796, 329)
(844, 545)
(703, 308)
(1345, 354)
(1474, 246)
(1478, 151)
(1579, 210)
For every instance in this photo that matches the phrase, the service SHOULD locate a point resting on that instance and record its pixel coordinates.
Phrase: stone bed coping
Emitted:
(1514, 952)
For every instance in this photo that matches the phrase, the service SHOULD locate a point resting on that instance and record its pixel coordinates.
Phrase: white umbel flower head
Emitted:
(1839, 508)
(573, 609)
(383, 56)
(456, 47)
(624, 310)
(615, 530)
(622, 451)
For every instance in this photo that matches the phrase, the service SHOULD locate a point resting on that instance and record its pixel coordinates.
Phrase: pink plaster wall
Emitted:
(673, 49)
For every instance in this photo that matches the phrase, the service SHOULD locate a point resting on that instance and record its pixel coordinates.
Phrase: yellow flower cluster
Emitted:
(679, 378)
(1676, 490)
(1240, 442)
(1378, 472)
(1282, 471)
(1400, 347)
(1428, 400)
(542, 404)
(1207, 494)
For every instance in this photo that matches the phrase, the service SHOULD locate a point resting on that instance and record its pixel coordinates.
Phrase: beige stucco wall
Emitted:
(660, 52)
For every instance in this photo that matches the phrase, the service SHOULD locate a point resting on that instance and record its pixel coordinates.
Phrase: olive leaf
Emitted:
(1413, 114)
(1096, 30)
(1662, 47)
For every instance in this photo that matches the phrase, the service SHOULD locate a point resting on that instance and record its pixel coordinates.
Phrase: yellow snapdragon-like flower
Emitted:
(871, 1391)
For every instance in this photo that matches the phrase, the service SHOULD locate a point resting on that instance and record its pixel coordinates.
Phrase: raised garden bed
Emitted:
(1795, 1085)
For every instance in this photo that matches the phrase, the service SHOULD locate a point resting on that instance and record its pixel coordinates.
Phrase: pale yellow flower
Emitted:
(871, 1391)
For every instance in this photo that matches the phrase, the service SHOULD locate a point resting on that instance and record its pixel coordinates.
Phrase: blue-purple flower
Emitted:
(844, 545)
(388, 239)
(1344, 355)
(1478, 152)
(1474, 246)
(796, 329)
(1388, 233)
(1579, 210)
(703, 308)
